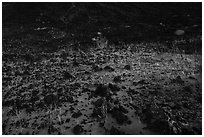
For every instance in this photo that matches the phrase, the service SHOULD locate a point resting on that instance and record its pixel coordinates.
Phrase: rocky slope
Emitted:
(100, 91)
(57, 80)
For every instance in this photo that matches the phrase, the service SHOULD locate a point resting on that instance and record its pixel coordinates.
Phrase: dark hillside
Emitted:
(118, 21)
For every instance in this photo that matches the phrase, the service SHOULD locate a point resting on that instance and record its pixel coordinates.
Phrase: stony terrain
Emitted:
(100, 90)
(102, 69)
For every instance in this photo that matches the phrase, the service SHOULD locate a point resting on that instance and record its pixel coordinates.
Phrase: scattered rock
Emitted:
(122, 109)
(18, 73)
(127, 67)
(197, 128)
(101, 124)
(52, 129)
(142, 82)
(178, 80)
(115, 131)
(99, 109)
(26, 72)
(71, 109)
(51, 99)
(67, 120)
(87, 90)
(96, 68)
(192, 77)
(119, 116)
(132, 90)
(77, 130)
(117, 79)
(161, 126)
(27, 133)
(77, 114)
(171, 60)
(108, 68)
(187, 131)
(8, 102)
(113, 87)
(102, 90)
(35, 92)
(67, 75)
(172, 105)
(70, 99)
(75, 62)
(28, 57)
(60, 91)
(87, 72)
(123, 87)
(116, 102)
(188, 89)
(76, 85)
(99, 102)
(135, 83)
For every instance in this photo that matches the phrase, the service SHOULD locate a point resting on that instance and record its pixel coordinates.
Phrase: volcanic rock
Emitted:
(119, 116)
(127, 67)
(122, 109)
(99, 108)
(113, 87)
(115, 131)
(142, 82)
(102, 90)
(108, 68)
(51, 99)
(77, 114)
(77, 130)
(70, 99)
(117, 79)
(178, 80)
(96, 68)
(67, 75)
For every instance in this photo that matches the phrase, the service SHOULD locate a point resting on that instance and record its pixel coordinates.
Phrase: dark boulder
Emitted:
(187, 131)
(70, 99)
(26, 72)
(117, 79)
(77, 130)
(113, 87)
(96, 68)
(67, 75)
(67, 120)
(177, 80)
(127, 67)
(120, 117)
(108, 68)
(51, 99)
(142, 82)
(161, 126)
(77, 114)
(102, 90)
(99, 109)
(115, 131)
(122, 109)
